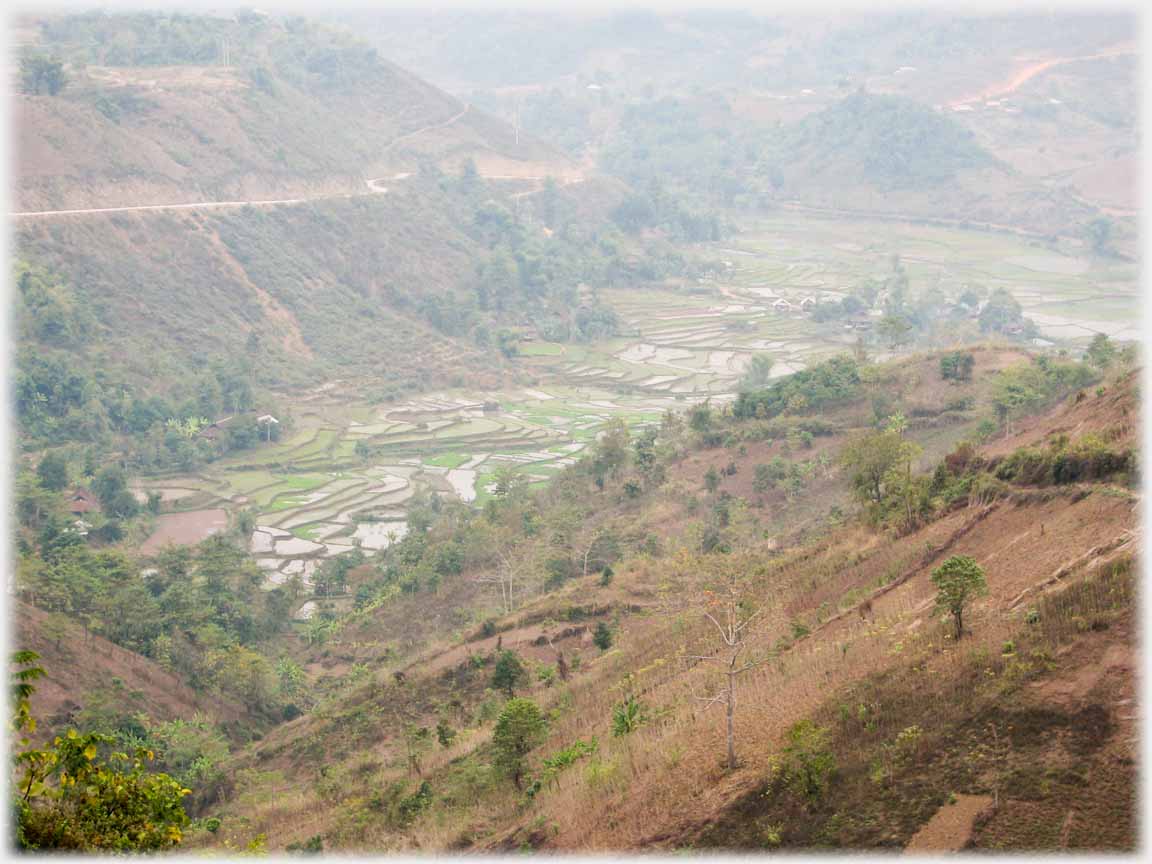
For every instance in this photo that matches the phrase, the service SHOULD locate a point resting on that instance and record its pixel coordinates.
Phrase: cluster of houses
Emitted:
(212, 431)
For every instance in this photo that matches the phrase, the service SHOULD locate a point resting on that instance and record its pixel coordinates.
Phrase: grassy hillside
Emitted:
(847, 623)
(152, 114)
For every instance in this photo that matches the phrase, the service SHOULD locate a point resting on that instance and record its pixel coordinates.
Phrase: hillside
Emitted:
(888, 154)
(151, 115)
(78, 663)
(692, 432)
(849, 624)
(296, 215)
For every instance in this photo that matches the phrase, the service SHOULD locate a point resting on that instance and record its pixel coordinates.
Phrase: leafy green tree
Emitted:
(508, 673)
(417, 741)
(52, 472)
(42, 74)
(958, 581)
(870, 459)
(602, 637)
(290, 677)
(711, 480)
(895, 330)
(1001, 312)
(519, 728)
(445, 734)
(1101, 352)
(957, 366)
(67, 798)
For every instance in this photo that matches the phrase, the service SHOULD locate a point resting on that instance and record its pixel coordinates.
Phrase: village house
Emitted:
(212, 431)
(782, 305)
(81, 501)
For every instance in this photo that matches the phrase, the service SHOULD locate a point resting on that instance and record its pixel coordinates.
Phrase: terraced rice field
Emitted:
(1069, 296)
(344, 477)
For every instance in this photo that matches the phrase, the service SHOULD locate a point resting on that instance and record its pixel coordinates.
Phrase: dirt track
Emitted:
(374, 187)
(1023, 76)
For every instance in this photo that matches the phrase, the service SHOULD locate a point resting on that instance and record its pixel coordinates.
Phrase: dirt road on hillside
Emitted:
(1027, 73)
(374, 187)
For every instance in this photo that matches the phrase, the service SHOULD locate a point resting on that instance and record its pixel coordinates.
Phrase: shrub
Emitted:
(602, 638)
(627, 717)
(509, 673)
(518, 729)
(808, 764)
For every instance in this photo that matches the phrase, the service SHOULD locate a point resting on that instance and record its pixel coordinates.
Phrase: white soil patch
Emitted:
(464, 483)
(305, 612)
(269, 563)
(297, 546)
(379, 535)
(335, 549)
(474, 461)
(261, 541)
(539, 394)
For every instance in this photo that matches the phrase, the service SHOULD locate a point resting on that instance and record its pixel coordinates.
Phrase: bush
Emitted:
(518, 729)
(808, 764)
(627, 717)
(603, 636)
(509, 672)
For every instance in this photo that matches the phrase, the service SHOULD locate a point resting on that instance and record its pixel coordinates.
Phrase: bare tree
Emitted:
(738, 622)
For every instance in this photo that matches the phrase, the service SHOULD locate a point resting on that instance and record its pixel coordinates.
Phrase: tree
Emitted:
(711, 480)
(1001, 312)
(895, 330)
(957, 366)
(958, 581)
(509, 672)
(722, 595)
(469, 176)
(52, 472)
(758, 375)
(417, 741)
(808, 763)
(1101, 352)
(602, 637)
(872, 458)
(69, 798)
(42, 74)
(519, 728)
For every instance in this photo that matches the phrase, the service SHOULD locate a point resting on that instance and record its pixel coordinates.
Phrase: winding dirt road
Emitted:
(1026, 74)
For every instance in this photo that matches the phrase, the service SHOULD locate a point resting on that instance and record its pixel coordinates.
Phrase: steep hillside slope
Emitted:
(83, 668)
(849, 623)
(292, 111)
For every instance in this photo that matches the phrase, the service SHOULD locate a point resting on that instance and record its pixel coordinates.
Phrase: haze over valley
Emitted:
(511, 431)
